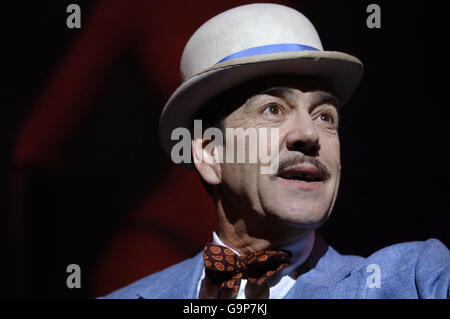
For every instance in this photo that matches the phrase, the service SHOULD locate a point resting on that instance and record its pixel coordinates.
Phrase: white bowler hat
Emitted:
(247, 42)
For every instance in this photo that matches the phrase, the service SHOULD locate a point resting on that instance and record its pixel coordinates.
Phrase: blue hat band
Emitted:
(267, 49)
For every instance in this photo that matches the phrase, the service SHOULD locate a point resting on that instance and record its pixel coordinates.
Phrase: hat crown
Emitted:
(242, 28)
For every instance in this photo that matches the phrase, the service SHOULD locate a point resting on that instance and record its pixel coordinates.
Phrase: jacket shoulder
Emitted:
(399, 256)
(177, 281)
(419, 269)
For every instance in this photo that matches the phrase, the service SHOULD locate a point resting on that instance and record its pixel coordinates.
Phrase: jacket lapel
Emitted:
(323, 267)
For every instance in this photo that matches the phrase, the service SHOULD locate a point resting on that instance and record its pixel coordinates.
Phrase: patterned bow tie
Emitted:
(226, 269)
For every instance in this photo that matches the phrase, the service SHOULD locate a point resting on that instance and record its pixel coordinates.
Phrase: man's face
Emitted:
(301, 193)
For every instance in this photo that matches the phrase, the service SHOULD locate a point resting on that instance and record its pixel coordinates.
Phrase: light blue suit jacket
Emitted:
(406, 270)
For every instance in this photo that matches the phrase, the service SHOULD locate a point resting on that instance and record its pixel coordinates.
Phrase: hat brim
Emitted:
(342, 71)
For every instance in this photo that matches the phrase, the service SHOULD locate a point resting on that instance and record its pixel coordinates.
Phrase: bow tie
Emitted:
(226, 269)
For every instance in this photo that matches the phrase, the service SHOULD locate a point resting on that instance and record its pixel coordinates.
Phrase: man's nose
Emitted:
(302, 135)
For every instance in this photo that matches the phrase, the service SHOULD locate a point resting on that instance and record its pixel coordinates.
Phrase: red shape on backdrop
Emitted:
(179, 214)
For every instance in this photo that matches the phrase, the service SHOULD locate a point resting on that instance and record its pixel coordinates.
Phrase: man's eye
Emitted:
(326, 118)
(272, 109)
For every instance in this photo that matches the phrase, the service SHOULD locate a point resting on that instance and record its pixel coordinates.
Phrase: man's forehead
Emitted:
(286, 91)
(286, 86)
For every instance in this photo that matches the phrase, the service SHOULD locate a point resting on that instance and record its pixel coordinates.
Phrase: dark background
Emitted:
(84, 181)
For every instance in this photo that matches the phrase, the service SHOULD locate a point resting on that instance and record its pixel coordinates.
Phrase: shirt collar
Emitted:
(300, 250)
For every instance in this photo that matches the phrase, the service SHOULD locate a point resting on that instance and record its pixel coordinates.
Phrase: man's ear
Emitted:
(207, 159)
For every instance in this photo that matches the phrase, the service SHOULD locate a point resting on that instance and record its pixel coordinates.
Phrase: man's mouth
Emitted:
(305, 176)
(302, 172)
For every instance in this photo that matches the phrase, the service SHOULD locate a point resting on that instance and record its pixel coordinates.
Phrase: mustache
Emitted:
(323, 169)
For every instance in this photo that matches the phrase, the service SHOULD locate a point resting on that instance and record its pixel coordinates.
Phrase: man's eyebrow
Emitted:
(323, 97)
(278, 91)
(319, 96)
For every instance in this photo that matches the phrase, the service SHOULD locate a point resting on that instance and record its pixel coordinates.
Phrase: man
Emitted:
(256, 67)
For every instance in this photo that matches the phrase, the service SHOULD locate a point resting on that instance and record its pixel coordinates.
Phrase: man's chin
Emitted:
(302, 219)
